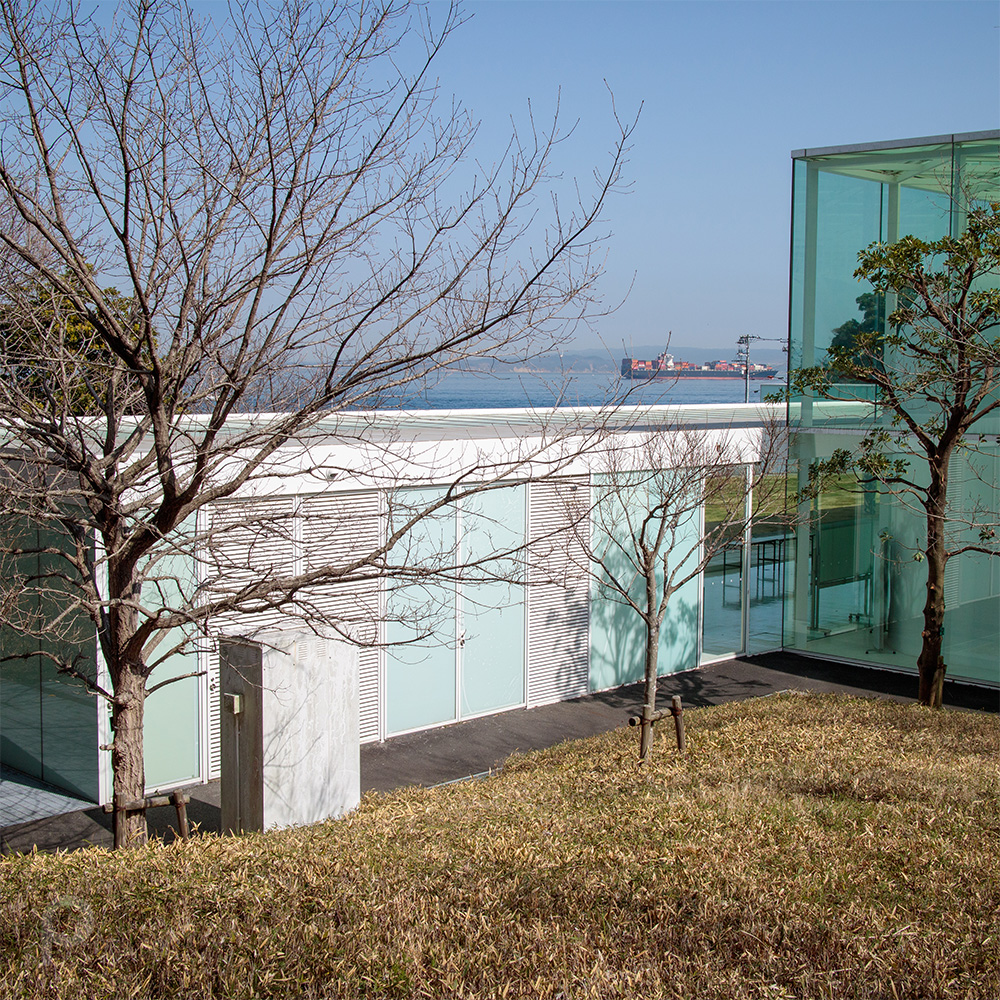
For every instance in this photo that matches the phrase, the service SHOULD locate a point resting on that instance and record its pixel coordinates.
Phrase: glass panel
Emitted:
(972, 579)
(493, 612)
(69, 711)
(420, 622)
(801, 266)
(49, 720)
(722, 578)
(849, 216)
(173, 731)
(617, 633)
(838, 585)
(21, 712)
(69, 719)
(20, 678)
(722, 603)
(771, 566)
(841, 562)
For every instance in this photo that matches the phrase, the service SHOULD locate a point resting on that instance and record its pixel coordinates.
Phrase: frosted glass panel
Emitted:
(420, 623)
(617, 633)
(493, 612)
(173, 731)
(172, 745)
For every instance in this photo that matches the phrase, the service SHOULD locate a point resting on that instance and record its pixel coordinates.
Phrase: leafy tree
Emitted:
(936, 376)
(297, 227)
(872, 309)
(52, 352)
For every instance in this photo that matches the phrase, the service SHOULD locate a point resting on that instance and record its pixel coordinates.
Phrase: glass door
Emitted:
(722, 602)
(723, 598)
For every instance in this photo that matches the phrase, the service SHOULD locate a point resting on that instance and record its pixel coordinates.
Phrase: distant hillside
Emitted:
(575, 361)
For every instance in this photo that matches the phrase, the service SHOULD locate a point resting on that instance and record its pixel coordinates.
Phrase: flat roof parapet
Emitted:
(871, 147)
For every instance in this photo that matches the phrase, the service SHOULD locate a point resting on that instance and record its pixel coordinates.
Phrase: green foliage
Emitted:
(55, 356)
(933, 363)
(847, 335)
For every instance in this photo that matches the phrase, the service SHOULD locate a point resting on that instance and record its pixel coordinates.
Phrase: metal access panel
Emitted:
(242, 735)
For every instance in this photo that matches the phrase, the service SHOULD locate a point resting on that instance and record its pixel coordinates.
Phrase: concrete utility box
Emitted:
(289, 730)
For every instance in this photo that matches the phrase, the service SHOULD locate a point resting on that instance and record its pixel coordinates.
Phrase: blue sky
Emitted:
(728, 90)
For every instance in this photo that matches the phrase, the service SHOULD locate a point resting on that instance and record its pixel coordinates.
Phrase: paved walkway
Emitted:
(51, 820)
(23, 799)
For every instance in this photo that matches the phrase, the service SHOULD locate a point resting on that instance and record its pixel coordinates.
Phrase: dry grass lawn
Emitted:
(806, 846)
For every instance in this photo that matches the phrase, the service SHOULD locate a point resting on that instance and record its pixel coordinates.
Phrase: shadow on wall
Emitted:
(618, 641)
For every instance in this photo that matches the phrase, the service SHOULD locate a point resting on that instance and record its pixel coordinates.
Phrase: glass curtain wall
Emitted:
(857, 584)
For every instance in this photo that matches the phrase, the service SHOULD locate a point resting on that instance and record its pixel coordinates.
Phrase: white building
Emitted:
(484, 636)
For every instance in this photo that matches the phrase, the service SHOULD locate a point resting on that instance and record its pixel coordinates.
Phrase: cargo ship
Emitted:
(666, 367)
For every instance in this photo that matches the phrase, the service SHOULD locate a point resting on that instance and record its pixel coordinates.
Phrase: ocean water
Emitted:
(467, 390)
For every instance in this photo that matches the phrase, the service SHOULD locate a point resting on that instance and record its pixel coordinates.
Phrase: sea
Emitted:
(497, 390)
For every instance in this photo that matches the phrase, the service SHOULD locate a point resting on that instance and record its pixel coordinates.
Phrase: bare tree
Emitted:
(669, 497)
(280, 208)
(934, 370)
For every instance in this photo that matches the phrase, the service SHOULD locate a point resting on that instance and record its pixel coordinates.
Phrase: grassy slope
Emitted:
(804, 847)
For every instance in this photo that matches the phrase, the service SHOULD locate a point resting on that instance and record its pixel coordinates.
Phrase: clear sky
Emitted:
(728, 90)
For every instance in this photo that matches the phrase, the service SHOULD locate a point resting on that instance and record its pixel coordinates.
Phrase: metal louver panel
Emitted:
(339, 528)
(336, 530)
(369, 694)
(257, 537)
(210, 664)
(558, 591)
(250, 541)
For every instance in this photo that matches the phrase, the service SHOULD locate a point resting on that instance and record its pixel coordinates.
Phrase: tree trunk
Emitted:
(930, 663)
(128, 708)
(649, 690)
(127, 759)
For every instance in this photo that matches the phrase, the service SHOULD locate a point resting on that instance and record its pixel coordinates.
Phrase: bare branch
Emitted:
(217, 238)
